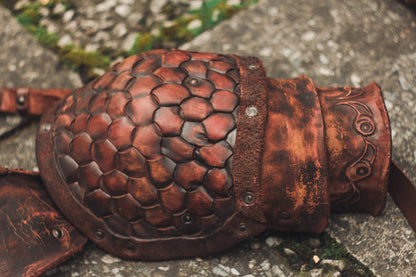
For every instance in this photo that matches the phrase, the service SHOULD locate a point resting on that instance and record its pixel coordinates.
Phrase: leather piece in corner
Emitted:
(34, 236)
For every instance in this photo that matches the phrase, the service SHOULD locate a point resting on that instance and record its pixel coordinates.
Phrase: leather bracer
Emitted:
(175, 154)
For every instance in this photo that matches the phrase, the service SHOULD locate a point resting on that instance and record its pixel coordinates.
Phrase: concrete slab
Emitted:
(25, 63)
(340, 43)
(335, 43)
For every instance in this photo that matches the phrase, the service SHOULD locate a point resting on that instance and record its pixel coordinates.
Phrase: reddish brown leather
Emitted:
(174, 154)
(359, 147)
(29, 100)
(294, 171)
(250, 139)
(145, 153)
(34, 236)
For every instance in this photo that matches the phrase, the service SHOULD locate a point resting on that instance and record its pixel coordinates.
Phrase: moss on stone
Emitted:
(48, 40)
(328, 249)
(30, 15)
(210, 14)
(178, 32)
(79, 58)
(144, 42)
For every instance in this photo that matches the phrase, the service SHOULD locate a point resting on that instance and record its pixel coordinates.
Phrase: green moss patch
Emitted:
(181, 30)
(178, 32)
(306, 246)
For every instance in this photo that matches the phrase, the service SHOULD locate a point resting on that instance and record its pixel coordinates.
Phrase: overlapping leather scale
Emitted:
(148, 147)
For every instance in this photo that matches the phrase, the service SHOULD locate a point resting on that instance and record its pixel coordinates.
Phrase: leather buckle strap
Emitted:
(22, 99)
(28, 100)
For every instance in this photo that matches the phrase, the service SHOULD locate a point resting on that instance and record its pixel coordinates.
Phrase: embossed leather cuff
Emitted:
(358, 144)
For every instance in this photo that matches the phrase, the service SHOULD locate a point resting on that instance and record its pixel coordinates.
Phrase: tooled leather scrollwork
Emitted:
(365, 126)
(354, 127)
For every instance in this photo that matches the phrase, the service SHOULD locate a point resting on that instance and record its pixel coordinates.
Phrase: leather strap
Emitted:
(34, 236)
(403, 193)
(28, 100)
(249, 143)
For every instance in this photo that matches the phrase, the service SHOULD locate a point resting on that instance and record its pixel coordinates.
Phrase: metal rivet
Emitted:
(58, 233)
(252, 67)
(285, 215)
(186, 218)
(99, 234)
(45, 127)
(130, 247)
(243, 227)
(21, 100)
(365, 127)
(249, 198)
(251, 111)
(362, 171)
(194, 82)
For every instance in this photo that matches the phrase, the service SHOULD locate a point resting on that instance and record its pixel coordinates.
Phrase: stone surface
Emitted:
(238, 261)
(23, 62)
(86, 22)
(336, 44)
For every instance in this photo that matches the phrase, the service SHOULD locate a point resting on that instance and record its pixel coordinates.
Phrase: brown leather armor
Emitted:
(198, 151)
(176, 154)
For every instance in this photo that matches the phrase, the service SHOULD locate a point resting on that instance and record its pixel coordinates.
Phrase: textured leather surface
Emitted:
(250, 138)
(145, 152)
(358, 142)
(174, 154)
(294, 172)
(34, 236)
(142, 151)
(28, 100)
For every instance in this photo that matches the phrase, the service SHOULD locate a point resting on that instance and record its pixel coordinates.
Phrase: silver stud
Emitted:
(130, 247)
(252, 67)
(243, 227)
(21, 100)
(251, 111)
(186, 218)
(99, 234)
(194, 82)
(46, 127)
(58, 233)
(248, 198)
